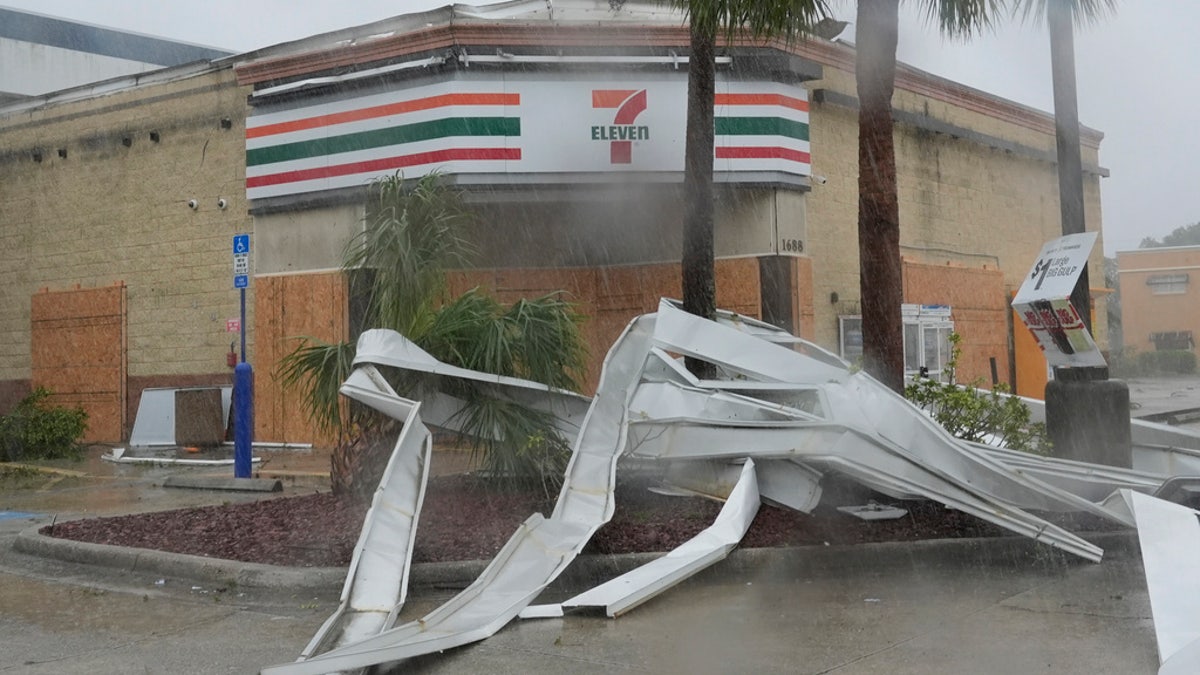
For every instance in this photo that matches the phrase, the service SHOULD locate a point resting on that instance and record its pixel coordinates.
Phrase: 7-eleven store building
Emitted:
(575, 174)
(568, 138)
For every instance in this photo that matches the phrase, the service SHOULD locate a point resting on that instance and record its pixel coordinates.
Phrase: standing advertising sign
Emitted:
(1044, 303)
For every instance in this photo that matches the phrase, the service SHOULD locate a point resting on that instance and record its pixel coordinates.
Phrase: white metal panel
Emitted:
(1169, 535)
(154, 424)
(712, 545)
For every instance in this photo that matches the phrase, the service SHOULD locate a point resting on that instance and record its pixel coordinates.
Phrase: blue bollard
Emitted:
(243, 419)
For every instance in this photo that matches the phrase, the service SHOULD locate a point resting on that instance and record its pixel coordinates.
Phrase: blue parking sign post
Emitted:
(243, 374)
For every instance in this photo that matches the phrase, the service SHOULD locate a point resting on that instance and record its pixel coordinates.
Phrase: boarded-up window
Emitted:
(78, 352)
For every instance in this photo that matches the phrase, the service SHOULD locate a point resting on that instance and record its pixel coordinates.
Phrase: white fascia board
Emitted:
(389, 348)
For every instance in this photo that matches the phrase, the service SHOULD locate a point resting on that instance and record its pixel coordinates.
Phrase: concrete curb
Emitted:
(587, 569)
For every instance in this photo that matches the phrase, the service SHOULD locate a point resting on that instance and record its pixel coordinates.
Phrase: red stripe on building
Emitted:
(400, 107)
(385, 164)
(763, 153)
(762, 99)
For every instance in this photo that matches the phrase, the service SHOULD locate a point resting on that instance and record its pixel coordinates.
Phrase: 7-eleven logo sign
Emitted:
(621, 134)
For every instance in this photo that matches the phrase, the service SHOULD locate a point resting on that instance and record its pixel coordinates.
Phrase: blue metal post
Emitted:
(242, 325)
(243, 419)
(243, 413)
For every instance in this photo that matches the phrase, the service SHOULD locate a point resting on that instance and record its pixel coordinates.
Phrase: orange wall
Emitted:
(978, 307)
(609, 297)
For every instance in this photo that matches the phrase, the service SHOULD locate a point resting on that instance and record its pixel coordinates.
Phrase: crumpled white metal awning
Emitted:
(631, 589)
(780, 413)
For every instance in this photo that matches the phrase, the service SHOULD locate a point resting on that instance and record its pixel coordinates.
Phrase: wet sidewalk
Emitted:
(93, 487)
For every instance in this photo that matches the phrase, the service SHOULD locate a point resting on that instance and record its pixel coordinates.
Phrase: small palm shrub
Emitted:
(397, 269)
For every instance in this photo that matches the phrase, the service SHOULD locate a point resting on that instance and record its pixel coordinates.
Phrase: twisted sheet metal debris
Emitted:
(1169, 535)
(780, 414)
(540, 550)
(377, 580)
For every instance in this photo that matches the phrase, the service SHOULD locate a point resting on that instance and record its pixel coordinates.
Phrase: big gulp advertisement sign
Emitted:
(528, 124)
(1044, 302)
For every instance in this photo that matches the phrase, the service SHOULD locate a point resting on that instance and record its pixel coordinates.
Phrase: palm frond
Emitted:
(317, 369)
(550, 349)
(963, 18)
(756, 18)
(1085, 12)
(514, 444)
(537, 339)
(411, 235)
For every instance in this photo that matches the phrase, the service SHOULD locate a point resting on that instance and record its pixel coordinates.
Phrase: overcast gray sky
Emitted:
(1136, 70)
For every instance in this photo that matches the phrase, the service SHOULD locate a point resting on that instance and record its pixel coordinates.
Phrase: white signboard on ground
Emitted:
(1044, 302)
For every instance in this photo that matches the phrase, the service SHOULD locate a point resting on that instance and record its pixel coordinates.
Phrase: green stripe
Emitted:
(761, 126)
(379, 138)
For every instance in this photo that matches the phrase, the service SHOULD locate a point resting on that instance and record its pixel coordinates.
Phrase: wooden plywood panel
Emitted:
(803, 292)
(286, 308)
(78, 352)
(980, 309)
(738, 286)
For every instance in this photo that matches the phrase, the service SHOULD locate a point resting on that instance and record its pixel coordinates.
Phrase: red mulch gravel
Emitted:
(463, 519)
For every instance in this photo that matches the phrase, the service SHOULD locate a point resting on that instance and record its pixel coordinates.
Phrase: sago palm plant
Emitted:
(397, 269)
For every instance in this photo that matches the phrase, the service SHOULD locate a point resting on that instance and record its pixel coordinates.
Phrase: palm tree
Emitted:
(757, 18)
(397, 269)
(880, 278)
(879, 220)
(1059, 16)
(878, 208)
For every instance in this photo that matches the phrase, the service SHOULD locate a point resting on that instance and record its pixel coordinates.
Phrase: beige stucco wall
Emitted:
(109, 212)
(304, 241)
(961, 202)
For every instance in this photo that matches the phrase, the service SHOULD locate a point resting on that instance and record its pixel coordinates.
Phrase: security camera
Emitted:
(221, 203)
(193, 204)
(820, 180)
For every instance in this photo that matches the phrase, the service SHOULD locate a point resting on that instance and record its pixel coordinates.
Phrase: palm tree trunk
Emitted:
(878, 208)
(699, 287)
(1066, 134)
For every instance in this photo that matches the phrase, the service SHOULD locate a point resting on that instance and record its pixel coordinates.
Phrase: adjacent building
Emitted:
(1158, 299)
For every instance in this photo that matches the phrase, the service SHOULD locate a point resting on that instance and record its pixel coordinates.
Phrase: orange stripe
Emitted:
(610, 98)
(762, 99)
(400, 107)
